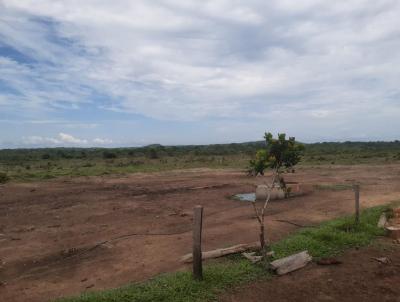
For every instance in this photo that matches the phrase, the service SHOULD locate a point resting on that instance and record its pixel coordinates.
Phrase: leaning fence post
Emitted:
(356, 189)
(197, 256)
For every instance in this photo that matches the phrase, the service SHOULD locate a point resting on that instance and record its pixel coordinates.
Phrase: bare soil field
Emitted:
(66, 236)
(359, 277)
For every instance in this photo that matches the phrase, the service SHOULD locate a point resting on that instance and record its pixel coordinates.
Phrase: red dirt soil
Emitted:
(359, 277)
(67, 236)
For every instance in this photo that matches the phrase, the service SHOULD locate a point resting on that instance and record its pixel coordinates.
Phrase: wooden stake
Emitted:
(357, 202)
(197, 228)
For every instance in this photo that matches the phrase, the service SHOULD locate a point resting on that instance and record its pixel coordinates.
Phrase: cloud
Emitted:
(178, 60)
(69, 139)
(39, 140)
(102, 141)
(63, 140)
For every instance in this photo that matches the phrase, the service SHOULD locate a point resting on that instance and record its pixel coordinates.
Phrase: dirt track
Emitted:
(50, 231)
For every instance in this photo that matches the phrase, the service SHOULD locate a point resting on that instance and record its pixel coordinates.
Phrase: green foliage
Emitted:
(28, 164)
(279, 153)
(152, 153)
(3, 177)
(109, 155)
(328, 239)
(45, 156)
(282, 152)
(260, 163)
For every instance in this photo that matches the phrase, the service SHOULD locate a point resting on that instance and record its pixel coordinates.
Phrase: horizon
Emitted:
(100, 74)
(195, 145)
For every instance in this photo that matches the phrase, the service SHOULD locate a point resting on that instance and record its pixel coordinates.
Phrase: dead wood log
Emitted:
(222, 252)
(291, 263)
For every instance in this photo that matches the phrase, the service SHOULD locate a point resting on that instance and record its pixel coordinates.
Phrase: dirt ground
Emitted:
(67, 236)
(359, 277)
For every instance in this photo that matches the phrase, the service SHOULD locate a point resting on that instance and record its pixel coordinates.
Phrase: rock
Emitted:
(270, 254)
(382, 221)
(383, 260)
(291, 263)
(262, 193)
(253, 258)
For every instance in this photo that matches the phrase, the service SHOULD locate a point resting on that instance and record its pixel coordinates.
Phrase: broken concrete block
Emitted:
(393, 232)
(382, 221)
(291, 263)
(262, 193)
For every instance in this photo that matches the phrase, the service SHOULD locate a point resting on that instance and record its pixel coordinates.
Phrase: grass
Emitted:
(36, 170)
(328, 239)
(333, 237)
(180, 287)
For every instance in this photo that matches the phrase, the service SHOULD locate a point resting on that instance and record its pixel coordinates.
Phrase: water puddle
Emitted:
(245, 196)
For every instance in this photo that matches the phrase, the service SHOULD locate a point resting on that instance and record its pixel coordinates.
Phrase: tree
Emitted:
(280, 155)
(109, 155)
(152, 153)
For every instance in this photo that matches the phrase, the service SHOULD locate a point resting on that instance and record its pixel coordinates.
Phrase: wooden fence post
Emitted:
(197, 256)
(357, 202)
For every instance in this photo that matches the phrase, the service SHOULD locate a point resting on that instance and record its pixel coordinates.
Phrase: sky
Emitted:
(131, 73)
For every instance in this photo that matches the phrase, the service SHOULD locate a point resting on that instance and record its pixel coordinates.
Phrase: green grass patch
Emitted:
(328, 239)
(180, 287)
(333, 237)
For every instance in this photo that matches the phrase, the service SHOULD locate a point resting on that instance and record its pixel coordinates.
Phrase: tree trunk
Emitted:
(262, 237)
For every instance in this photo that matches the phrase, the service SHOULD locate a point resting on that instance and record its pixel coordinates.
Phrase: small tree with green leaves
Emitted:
(280, 155)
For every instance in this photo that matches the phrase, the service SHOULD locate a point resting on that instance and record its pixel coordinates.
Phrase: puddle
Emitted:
(245, 196)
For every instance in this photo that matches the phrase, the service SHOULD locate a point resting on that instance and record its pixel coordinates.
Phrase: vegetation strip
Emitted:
(328, 239)
(47, 163)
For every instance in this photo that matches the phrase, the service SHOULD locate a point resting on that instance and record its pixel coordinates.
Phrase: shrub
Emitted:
(4, 177)
(109, 155)
(152, 153)
(46, 156)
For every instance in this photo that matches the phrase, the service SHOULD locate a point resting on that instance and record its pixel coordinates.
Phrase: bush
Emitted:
(46, 156)
(109, 155)
(4, 177)
(152, 153)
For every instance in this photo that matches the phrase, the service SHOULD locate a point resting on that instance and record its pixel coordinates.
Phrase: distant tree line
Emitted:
(316, 151)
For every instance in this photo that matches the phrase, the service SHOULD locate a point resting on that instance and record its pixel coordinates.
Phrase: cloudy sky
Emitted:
(128, 73)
